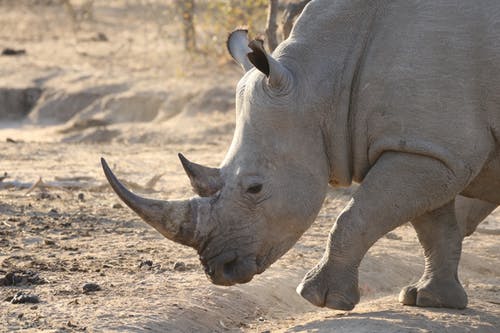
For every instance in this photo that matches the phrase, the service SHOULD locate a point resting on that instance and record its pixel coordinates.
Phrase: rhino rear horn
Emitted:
(204, 180)
(250, 54)
(277, 75)
(176, 219)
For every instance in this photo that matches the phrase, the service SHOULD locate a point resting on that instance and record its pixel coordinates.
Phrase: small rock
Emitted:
(100, 37)
(81, 197)
(91, 287)
(146, 263)
(117, 206)
(13, 52)
(393, 236)
(22, 297)
(17, 278)
(49, 242)
(45, 195)
(180, 266)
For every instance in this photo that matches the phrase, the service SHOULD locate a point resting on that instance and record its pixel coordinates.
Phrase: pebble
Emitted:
(90, 287)
(146, 263)
(49, 242)
(19, 278)
(22, 297)
(393, 236)
(180, 266)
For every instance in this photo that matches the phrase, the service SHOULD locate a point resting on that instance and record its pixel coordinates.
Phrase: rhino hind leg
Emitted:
(471, 212)
(441, 239)
(398, 188)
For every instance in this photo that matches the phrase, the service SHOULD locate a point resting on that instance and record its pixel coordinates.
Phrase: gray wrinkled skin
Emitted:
(402, 97)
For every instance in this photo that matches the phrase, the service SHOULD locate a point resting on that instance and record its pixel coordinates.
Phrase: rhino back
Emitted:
(429, 83)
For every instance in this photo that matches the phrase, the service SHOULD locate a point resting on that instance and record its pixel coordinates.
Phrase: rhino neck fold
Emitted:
(331, 54)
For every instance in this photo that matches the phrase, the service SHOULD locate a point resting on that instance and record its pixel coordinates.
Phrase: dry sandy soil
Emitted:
(137, 100)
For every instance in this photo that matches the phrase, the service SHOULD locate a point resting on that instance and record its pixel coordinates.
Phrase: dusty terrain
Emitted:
(137, 100)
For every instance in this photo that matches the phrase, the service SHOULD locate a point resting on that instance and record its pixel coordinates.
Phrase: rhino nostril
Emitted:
(209, 270)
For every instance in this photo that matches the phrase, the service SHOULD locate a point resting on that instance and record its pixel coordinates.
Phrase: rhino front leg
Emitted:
(440, 236)
(398, 188)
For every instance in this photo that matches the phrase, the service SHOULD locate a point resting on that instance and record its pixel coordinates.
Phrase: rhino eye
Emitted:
(254, 189)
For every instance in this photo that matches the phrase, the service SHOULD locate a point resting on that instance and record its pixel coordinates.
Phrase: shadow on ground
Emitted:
(405, 319)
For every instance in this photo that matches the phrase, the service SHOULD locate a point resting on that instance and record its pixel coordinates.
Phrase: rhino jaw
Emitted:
(173, 219)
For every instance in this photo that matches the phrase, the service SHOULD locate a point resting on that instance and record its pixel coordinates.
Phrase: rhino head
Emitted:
(270, 186)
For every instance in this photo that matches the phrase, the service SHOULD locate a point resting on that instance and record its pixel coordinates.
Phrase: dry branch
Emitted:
(271, 25)
(76, 183)
(292, 10)
(188, 25)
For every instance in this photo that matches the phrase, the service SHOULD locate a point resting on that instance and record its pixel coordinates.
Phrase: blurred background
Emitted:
(133, 34)
(94, 63)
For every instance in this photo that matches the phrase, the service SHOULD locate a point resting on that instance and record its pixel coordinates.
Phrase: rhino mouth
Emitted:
(228, 268)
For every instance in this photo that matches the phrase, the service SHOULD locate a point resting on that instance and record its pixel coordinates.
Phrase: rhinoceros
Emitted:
(402, 97)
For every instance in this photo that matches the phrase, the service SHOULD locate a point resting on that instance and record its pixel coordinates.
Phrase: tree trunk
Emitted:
(271, 25)
(72, 14)
(188, 25)
(292, 10)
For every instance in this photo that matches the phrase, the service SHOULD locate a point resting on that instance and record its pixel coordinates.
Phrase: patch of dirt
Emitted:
(69, 242)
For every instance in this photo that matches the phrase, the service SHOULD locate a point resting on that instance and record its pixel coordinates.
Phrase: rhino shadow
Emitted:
(407, 320)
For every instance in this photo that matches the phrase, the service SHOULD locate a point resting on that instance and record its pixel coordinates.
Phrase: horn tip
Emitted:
(107, 170)
(183, 159)
(185, 164)
(104, 163)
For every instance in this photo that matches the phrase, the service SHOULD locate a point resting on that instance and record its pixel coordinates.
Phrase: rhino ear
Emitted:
(237, 45)
(204, 180)
(278, 76)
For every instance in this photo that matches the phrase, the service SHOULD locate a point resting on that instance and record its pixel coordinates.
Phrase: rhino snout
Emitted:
(229, 269)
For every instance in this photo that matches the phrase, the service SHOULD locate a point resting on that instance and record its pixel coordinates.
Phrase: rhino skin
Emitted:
(402, 97)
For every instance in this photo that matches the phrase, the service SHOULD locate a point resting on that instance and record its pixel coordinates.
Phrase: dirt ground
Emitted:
(136, 100)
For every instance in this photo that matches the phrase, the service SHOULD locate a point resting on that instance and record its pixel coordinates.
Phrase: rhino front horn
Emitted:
(204, 180)
(173, 219)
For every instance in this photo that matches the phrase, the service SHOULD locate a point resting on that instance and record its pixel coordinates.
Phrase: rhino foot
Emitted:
(433, 293)
(324, 288)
